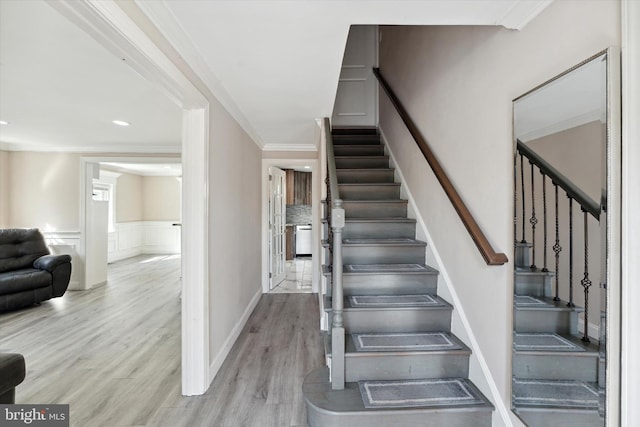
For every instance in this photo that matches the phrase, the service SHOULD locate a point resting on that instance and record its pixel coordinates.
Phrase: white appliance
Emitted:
(303, 240)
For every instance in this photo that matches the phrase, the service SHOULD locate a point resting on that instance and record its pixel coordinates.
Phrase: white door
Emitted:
(356, 99)
(277, 223)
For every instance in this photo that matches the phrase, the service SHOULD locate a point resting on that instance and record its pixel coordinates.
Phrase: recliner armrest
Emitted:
(50, 262)
(12, 373)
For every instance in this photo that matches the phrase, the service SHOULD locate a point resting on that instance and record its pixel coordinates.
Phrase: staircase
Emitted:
(558, 379)
(402, 364)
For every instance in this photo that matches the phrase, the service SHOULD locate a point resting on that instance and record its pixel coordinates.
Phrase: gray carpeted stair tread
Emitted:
(555, 394)
(549, 342)
(403, 343)
(393, 301)
(427, 393)
(542, 303)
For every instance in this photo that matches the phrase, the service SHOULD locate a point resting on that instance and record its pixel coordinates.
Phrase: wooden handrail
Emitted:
(490, 256)
(587, 204)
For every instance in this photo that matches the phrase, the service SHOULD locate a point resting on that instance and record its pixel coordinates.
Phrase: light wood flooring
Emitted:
(113, 354)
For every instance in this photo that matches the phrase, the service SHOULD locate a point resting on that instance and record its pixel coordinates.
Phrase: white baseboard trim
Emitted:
(446, 280)
(217, 362)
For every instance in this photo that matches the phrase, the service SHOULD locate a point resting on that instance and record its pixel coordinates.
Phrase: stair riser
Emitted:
(556, 367)
(355, 139)
(602, 372)
(394, 367)
(359, 150)
(361, 162)
(390, 284)
(427, 320)
(369, 192)
(383, 254)
(533, 285)
(375, 230)
(406, 418)
(364, 176)
(559, 417)
(561, 322)
(523, 256)
(375, 209)
(387, 284)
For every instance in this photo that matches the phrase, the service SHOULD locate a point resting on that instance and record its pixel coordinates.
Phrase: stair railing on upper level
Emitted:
(486, 250)
(573, 193)
(336, 220)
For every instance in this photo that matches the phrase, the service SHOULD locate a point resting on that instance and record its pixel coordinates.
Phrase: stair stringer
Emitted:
(460, 324)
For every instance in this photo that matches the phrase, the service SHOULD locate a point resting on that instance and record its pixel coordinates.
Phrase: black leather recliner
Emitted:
(12, 372)
(28, 273)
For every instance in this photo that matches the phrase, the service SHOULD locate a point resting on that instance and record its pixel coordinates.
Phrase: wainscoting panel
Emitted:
(143, 237)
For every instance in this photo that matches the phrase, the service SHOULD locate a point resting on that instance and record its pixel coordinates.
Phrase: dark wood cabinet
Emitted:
(298, 187)
(290, 242)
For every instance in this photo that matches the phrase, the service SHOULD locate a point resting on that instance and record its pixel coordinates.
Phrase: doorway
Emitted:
(290, 270)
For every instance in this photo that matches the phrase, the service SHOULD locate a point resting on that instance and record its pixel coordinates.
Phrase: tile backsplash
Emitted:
(298, 214)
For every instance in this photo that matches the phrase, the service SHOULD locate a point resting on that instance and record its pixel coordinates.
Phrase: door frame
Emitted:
(315, 209)
(117, 31)
(85, 194)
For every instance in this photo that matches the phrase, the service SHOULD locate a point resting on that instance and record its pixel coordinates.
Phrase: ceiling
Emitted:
(273, 64)
(574, 99)
(60, 90)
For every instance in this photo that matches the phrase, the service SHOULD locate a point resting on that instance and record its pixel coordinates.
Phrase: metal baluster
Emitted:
(524, 240)
(570, 303)
(585, 282)
(544, 222)
(533, 221)
(557, 248)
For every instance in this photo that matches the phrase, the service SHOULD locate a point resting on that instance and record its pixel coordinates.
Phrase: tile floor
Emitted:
(298, 278)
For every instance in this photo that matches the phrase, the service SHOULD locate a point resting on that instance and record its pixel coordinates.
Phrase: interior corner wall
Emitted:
(457, 83)
(43, 190)
(4, 189)
(129, 199)
(161, 198)
(235, 229)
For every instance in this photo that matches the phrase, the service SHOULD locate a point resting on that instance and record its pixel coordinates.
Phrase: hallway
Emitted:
(113, 354)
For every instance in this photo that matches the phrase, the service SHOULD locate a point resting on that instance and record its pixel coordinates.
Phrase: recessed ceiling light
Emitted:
(121, 123)
(307, 167)
(3, 122)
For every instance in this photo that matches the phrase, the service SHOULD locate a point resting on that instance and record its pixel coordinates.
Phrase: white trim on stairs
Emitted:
(496, 399)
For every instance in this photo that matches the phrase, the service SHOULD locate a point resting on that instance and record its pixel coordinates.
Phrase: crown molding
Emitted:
(521, 13)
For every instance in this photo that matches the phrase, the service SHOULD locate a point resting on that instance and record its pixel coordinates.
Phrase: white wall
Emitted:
(161, 198)
(235, 233)
(129, 199)
(457, 83)
(4, 189)
(43, 191)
